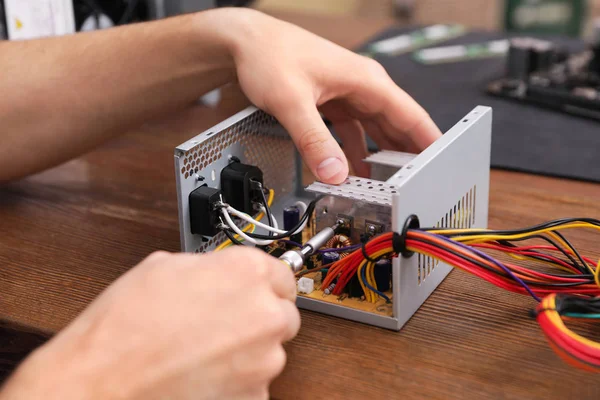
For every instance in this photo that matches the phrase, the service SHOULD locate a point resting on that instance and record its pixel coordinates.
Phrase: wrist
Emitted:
(232, 27)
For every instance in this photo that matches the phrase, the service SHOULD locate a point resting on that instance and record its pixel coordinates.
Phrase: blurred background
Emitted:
(573, 17)
(21, 19)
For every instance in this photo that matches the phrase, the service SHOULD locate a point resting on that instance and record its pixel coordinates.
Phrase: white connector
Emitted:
(306, 285)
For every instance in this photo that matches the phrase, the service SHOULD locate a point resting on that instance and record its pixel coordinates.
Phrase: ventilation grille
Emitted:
(461, 216)
(260, 137)
(359, 189)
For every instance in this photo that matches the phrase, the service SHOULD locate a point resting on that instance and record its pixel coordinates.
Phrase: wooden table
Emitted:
(68, 233)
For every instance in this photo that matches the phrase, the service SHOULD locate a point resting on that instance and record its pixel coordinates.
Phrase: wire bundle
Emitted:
(570, 288)
(247, 234)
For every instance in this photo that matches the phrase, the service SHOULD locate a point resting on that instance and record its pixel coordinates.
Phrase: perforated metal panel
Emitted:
(255, 138)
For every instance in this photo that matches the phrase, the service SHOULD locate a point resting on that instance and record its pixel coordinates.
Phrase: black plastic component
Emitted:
(383, 274)
(237, 188)
(399, 239)
(204, 217)
(313, 261)
(277, 252)
(329, 258)
(291, 218)
(354, 288)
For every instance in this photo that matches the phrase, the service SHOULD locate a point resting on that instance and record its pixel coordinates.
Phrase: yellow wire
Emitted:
(597, 274)
(371, 296)
(484, 237)
(550, 231)
(248, 227)
(362, 283)
(549, 304)
(371, 279)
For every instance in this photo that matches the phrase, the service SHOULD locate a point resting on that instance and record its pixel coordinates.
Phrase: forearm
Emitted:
(63, 96)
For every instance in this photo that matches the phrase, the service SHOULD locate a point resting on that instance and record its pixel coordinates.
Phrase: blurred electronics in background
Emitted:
(540, 72)
(417, 39)
(28, 19)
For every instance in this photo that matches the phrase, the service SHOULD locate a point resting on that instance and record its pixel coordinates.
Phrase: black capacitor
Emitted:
(329, 258)
(383, 274)
(519, 61)
(291, 218)
(354, 288)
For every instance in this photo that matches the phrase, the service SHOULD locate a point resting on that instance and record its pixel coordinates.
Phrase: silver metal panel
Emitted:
(329, 208)
(446, 185)
(386, 163)
(255, 138)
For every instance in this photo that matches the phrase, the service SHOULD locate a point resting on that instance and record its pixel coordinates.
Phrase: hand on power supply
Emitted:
(174, 327)
(294, 74)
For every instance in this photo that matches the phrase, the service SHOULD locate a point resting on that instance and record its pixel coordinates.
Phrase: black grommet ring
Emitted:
(399, 240)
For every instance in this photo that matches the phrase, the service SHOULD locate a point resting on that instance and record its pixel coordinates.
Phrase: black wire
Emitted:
(552, 243)
(231, 237)
(128, 13)
(267, 209)
(497, 272)
(549, 224)
(96, 11)
(310, 209)
(574, 250)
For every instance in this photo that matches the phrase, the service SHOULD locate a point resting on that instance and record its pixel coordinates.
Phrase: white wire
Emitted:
(240, 233)
(251, 220)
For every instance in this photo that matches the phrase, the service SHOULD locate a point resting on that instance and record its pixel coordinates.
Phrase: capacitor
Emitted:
(291, 218)
(354, 287)
(383, 274)
(329, 258)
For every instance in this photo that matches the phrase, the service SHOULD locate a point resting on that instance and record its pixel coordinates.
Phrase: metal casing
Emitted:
(446, 185)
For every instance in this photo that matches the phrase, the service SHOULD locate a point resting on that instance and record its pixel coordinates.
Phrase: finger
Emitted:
(375, 94)
(379, 136)
(293, 319)
(400, 142)
(282, 280)
(315, 143)
(352, 134)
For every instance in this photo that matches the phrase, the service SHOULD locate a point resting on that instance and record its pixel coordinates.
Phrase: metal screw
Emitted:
(199, 178)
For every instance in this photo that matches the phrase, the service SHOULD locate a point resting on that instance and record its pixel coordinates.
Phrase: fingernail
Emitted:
(329, 168)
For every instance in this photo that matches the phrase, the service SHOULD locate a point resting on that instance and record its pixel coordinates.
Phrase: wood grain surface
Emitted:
(69, 232)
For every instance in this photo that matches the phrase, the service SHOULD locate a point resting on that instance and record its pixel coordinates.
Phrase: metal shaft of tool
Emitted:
(296, 258)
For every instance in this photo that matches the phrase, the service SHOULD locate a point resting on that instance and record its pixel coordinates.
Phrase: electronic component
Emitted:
(355, 202)
(383, 274)
(329, 258)
(345, 224)
(291, 218)
(203, 214)
(236, 185)
(306, 285)
(329, 289)
(539, 72)
(446, 185)
(295, 258)
(373, 228)
(277, 251)
(354, 288)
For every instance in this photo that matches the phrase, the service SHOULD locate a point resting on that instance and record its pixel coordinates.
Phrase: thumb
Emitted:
(314, 141)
